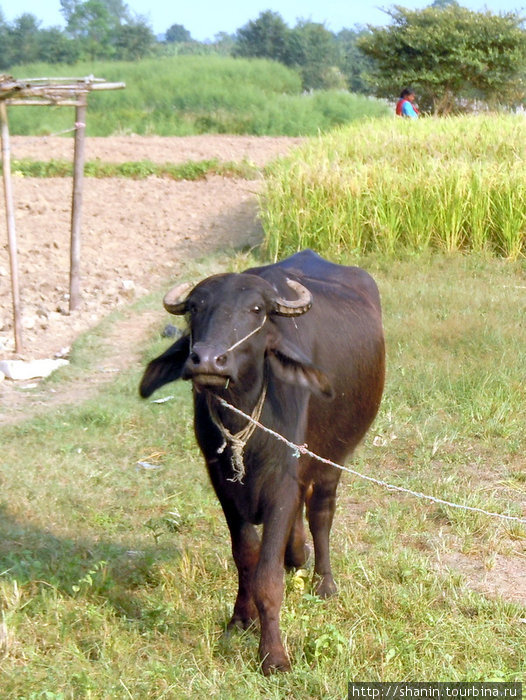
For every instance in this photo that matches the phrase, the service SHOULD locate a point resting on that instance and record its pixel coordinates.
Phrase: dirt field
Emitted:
(134, 233)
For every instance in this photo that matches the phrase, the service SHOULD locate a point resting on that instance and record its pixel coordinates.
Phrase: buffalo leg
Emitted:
(245, 550)
(297, 551)
(269, 583)
(320, 512)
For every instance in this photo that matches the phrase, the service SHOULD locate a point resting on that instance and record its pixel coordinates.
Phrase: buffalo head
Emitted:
(232, 332)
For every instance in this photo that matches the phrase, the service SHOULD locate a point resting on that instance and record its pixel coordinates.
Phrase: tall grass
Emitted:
(182, 95)
(392, 185)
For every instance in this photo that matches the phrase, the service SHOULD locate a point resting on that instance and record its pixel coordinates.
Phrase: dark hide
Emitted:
(324, 374)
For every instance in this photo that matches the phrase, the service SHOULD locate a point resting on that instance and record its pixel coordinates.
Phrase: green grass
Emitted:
(397, 185)
(183, 95)
(116, 581)
(136, 170)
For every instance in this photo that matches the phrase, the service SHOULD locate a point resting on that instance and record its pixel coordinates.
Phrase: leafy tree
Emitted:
(133, 40)
(266, 37)
(23, 35)
(224, 43)
(5, 43)
(444, 3)
(55, 47)
(353, 63)
(24, 41)
(177, 34)
(450, 55)
(91, 24)
(106, 29)
(309, 47)
(76, 11)
(313, 49)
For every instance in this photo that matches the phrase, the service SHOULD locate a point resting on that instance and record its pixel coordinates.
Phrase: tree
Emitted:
(133, 40)
(91, 24)
(450, 55)
(23, 35)
(177, 34)
(5, 43)
(309, 47)
(76, 11)
(106, 29)
(352, 62)
(223, 43)
(266, 37)
(55, 47)
(444, 3)
(314, 51)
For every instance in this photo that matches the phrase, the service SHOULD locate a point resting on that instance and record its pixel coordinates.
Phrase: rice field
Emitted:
(396, 186)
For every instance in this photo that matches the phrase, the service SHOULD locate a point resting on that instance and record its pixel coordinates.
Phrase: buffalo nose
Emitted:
(207, 359)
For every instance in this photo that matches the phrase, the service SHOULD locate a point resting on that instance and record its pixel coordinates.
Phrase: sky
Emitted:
(206, 18)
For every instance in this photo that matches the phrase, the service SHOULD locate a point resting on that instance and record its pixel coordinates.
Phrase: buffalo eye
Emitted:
(256, 309)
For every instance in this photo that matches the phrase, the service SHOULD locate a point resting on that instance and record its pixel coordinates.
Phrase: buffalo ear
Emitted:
(165, 368)
(290, 365)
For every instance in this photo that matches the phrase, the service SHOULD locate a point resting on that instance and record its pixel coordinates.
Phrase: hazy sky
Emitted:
(206, 18)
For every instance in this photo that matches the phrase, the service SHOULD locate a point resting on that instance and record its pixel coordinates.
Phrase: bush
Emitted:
(182, 95)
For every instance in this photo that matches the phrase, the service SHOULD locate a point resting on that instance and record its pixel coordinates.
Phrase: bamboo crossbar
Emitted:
(42, 103)
(50, 91)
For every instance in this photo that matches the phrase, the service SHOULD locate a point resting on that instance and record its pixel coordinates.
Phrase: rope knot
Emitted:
(237, 441)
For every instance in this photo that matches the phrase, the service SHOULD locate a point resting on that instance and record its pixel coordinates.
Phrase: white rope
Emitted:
(31, 139)
(238, 441)
(246, 337)
(302, 449)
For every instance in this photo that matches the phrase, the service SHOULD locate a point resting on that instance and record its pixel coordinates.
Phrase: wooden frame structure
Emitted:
(65, 92)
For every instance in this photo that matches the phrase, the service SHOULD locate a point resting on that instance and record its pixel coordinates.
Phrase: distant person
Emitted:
(405, 106)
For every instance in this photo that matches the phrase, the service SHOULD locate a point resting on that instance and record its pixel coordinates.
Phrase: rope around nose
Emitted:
(247, 336)
(302, 449)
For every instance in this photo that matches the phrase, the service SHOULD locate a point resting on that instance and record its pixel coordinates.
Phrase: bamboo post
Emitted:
(76, 209)
(11, 232)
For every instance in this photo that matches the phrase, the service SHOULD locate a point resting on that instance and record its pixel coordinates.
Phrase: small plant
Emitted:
(93, 579)
(169, 522)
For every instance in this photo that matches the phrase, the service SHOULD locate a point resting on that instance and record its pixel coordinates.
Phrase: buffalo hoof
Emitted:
(325, 586)
(273, 662)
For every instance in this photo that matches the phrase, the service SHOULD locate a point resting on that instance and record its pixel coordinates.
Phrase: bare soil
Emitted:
(135, 233)
(135, 236)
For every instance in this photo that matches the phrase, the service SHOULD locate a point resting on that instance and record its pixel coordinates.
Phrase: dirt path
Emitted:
(135, 235)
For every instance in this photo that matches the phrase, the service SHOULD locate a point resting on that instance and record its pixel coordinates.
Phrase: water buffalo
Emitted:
(299, 346)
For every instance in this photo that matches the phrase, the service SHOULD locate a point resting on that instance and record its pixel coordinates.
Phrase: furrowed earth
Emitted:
(135, 233)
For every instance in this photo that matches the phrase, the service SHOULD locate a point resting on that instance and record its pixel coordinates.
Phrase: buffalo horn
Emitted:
(286, 307)
(175, 300)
